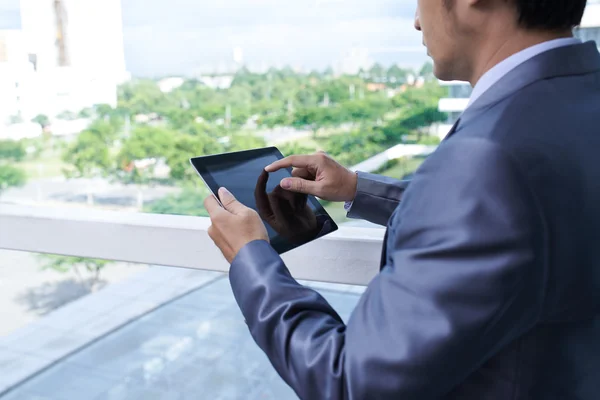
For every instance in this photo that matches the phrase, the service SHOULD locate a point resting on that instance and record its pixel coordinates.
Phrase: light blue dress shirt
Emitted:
(498, 71)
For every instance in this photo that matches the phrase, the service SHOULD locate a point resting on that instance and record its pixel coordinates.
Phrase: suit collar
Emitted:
(576, 59)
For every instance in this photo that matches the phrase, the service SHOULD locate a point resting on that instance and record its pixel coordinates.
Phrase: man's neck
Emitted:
(499, 50)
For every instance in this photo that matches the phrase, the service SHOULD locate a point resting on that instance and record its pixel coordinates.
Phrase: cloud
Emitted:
(180, 36)
(10, 18)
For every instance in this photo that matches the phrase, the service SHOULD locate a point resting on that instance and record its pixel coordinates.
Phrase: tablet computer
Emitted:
(291, 219)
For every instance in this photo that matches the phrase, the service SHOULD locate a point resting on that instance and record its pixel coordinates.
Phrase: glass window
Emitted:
(101, 106)
(104, 104)
(80, 329)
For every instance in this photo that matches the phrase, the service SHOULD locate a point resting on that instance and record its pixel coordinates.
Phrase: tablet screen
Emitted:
(291, 219)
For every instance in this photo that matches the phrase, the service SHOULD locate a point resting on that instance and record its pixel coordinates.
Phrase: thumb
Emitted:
(300, 185)
(230, 202)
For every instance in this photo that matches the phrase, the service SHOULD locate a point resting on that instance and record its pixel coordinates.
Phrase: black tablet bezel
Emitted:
(200, 165)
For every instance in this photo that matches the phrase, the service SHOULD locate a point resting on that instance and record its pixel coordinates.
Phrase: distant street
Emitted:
(75, 191)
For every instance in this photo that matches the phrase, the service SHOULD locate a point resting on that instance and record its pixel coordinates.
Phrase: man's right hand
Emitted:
(319, 175)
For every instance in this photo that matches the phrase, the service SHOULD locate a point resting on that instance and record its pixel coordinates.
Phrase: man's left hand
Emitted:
(233, 226)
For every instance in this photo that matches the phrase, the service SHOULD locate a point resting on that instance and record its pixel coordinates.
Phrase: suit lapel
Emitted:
(383, 260)
(453, 129)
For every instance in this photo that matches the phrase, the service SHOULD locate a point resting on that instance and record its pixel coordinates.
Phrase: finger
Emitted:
(300, 185)
(212, 206)
(230, 202)
(292, 161)
(212, 233)
(223, 245)
(302, 173)
(260, 196)
(299, 200)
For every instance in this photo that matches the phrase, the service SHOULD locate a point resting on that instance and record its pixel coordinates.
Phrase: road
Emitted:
(75, 191)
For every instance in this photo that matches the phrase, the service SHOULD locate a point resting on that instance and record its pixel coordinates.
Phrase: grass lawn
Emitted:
(398, 170)
(403, 167)
(337, 212)
(45, 167)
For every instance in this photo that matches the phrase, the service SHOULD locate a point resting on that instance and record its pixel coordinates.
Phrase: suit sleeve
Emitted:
(464, 277)
(376, 198)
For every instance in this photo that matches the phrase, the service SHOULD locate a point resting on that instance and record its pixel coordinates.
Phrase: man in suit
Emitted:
(490, 276)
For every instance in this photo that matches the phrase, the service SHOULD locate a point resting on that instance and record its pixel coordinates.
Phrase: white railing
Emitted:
(449, 104)
(393, 153)
(349, 256)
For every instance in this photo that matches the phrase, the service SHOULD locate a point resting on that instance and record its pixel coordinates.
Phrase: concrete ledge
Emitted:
(350, 255)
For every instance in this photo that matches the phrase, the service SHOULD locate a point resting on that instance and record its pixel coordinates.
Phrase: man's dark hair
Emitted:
(551, 15)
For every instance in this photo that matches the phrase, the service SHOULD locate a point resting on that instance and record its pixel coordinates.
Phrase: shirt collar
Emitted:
(496, 73)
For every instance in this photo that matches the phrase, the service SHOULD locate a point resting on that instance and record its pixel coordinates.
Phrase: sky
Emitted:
(175, 37)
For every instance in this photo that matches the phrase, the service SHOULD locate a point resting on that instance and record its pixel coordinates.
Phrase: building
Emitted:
(67, 56)
(455, 103)
(459, 92)
(91, 33)
(353, 61)
(217, 81)
(167, 85)
(15, 70)
(590, 24)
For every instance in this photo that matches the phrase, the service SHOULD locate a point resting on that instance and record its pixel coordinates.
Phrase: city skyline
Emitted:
(183, 37)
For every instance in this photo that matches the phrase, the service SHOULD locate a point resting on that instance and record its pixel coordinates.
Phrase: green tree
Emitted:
(189, 202)
(328, 73)
(418, 109)
(144, 97)
(427, 71)
(87, 270)
(11, 150)
(41, 120)
(306, 97)
(396, 75)
(377, 73)
(370, 109)
(185, 147)
(350, 149)
(11, 177)
(338, 90)
(86, 113)
(104, 111)
(89, 155)
(145, 142)
(296, 148)
(277, 119)
(316, 118)
(240, 141)
(67, 115)
(15, 119)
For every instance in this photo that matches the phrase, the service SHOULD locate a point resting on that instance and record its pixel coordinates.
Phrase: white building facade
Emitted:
(35, 79)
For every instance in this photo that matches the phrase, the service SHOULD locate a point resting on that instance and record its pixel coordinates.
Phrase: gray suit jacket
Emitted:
(490, 280)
